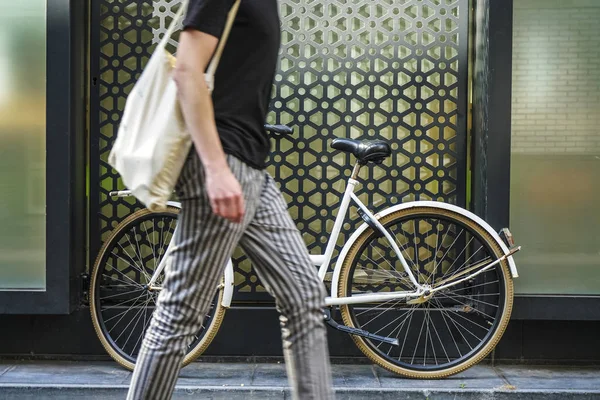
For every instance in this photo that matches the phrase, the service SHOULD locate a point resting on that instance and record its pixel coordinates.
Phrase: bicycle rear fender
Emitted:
(413, 204)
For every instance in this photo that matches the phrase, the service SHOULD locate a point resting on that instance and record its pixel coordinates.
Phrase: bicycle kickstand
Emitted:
(355, 331)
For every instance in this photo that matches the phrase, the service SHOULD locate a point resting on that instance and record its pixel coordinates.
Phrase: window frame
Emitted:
(492, 153)
(66, 24)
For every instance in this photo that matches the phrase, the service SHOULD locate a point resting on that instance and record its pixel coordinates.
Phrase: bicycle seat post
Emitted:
(356, 170)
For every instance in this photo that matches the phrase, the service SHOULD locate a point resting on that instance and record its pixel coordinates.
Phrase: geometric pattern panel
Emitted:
(366, 70)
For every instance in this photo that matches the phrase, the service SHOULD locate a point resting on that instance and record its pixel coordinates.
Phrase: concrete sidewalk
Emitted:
(233, 381)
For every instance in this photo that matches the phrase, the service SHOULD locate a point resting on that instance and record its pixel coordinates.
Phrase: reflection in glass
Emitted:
(22, 144)
(555, 166)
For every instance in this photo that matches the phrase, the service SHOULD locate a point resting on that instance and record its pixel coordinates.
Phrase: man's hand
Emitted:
(225, 194)
(193, 53)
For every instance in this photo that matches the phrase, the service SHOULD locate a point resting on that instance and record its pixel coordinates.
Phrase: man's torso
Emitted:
(244, 77)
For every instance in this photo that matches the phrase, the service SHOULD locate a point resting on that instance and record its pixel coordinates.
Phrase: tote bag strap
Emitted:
(173, 25)
(212, 67)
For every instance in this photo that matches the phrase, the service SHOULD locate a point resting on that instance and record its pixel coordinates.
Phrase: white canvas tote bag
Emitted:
(152, 142)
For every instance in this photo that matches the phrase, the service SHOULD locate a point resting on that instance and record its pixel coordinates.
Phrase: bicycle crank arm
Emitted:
(358, 332)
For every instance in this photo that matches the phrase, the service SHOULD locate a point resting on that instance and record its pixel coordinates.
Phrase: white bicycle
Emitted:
(424, 288)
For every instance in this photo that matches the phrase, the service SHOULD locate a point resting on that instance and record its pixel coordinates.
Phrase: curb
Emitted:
(94, 392)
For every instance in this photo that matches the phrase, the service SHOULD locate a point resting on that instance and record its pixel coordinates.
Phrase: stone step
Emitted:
(232, 381)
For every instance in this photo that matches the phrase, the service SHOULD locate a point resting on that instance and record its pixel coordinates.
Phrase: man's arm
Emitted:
(193, 55)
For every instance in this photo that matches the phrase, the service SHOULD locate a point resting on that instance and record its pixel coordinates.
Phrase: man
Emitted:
(228, 199)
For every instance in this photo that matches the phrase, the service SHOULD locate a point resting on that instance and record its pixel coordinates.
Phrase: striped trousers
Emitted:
(204, 243)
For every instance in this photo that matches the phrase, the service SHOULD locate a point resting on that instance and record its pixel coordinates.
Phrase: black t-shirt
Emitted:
(244, 77)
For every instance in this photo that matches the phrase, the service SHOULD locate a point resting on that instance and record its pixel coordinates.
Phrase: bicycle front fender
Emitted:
(413, 204)
(228, 282)
(175, 204)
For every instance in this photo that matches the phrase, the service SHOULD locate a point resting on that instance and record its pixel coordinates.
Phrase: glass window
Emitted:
(555, 166)
(23, 145)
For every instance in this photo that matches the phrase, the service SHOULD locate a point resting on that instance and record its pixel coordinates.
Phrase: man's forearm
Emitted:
(197, 108)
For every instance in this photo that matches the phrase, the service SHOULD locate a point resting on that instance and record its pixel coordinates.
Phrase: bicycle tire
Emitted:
(372, 348)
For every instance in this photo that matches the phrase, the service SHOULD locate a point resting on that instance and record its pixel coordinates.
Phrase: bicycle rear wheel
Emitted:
(453, 329)
(121, 304)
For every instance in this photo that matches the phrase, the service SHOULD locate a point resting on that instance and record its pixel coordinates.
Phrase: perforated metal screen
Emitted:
(387, 69)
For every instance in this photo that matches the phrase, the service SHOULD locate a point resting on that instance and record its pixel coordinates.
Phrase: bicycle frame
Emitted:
(323, 260)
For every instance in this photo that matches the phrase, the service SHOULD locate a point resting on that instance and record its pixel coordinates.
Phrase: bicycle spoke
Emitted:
(163, 242)
(130, 322)
(440, 340)
(119, 280)
(471, 321)
(121, 294)
(476, 295)
(133, 264)
(376, 307)
(457, 328)
(400, 279)
(171, 233)
(437, 237)
(425, 245)
(144, 308)
(465, 297)
(379, 315)
(459, 269)
(146, 323)
(403, 249)
(139, 252)
(121, 303)
(465, 304)
(450, 247)
(381, 271)
(435, 264)
(126, 236)
(413, 263)
(426, 319)
(416, 250)
(432, 325)
(152, 236)
(463, 250)
(122, 273)
(384, 274)
(466, 329)
(389, 323)
(122, 314)
(478, 285)
(412, 361)
(405, 336)
(400, 326)
(469, 307)
(449, 330)
(390, 264)
(392, 332)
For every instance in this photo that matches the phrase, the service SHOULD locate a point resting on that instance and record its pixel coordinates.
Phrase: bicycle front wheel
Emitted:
(452, 329)
(121, 303)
